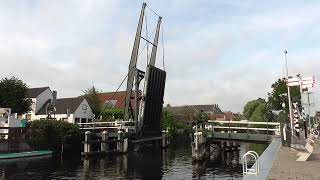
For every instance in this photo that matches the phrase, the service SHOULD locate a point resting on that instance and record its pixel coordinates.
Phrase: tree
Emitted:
(258, 110)
(92, 97)
(169, 123)
(202, 117)
(280, 87)
(14, 95)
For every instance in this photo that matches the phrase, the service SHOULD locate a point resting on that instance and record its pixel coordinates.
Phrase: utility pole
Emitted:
(309, 111)
(289, 96)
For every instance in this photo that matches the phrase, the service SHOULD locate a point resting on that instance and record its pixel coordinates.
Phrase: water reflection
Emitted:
(163, 164)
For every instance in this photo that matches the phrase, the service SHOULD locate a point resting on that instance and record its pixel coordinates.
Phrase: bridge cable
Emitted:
(162, 43)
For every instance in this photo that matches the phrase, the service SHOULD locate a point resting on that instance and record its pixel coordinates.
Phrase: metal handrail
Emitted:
(245, 169)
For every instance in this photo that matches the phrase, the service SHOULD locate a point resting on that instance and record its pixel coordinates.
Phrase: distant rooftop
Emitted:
(34, 92)
(115, 99)
(62, 105)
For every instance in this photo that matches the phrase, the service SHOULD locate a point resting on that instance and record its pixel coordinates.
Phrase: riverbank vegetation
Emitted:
(55, 136)
(276, 107)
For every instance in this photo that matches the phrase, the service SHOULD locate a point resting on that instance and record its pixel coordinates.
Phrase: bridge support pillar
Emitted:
(165, 139)
(104, 145)
(87, 145)
(122, 145)
(199, 147)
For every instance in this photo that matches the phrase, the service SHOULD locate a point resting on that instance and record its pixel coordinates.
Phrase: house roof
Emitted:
(214, 108)
(34, 92)
(118, 98)
(62, 105)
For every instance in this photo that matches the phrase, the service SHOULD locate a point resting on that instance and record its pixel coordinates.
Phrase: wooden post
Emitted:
(120, 144)
(164, 142)
(87, 146)
(125, 145)
(104, 145)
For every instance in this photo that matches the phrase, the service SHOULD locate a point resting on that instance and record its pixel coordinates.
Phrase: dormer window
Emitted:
(111, 103)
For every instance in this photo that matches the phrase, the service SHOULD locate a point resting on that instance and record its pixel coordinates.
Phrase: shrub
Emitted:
(51, 134)
(111, 114)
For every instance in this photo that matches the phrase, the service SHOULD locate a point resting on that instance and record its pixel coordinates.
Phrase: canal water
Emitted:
(172, 163)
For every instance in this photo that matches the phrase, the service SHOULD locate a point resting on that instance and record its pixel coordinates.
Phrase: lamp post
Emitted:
(289, 96)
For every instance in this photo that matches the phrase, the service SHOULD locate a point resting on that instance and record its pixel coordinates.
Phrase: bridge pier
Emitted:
(120, 142)
(199, 147)
(87, 145)
(122, 145)
(105, 145)
(165, 141)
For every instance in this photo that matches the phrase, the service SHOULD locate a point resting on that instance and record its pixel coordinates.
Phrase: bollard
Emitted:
(87, 145)
(105, 145)
(164, 142)
(125, 145)
(196, 141)
(120, 144)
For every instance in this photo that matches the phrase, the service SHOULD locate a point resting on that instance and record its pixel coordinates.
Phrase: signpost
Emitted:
(305, 84)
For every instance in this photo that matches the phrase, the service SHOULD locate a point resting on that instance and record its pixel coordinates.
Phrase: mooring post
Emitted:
(199, 147)
(120, 143)
(125, 145)
(104, 144)
(87, 145)
(164, 141)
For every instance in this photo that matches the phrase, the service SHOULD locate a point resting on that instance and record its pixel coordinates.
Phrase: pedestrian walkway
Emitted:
(285, 165)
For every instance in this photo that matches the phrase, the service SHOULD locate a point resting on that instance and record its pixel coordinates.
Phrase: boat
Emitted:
(24, 155)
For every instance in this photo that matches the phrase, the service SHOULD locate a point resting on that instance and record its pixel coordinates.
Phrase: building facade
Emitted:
(72, 110)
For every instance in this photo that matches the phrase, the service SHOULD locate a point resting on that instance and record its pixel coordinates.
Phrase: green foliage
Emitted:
(110, 114)
(169, 123)
(249, 108)
(50, 134)
(279, 87)
(282, 117)
(14, 95)
(258, 110)
(92, 97)
(202, 117)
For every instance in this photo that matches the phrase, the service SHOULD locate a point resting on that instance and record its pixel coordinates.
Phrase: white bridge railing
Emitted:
(127, 126)
(233, 126)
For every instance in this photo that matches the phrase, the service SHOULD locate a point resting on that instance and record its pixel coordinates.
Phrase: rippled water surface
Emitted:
(173, 163)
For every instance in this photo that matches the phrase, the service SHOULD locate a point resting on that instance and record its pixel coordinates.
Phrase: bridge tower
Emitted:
(147, 110)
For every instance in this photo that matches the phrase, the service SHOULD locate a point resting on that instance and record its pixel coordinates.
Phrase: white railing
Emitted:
(255, 169)
(274, 126)
(128, 126)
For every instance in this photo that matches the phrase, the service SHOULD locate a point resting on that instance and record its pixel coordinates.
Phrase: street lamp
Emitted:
(289, 96)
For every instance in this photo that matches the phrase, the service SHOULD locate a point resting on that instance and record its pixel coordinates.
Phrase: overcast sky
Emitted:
(223, 52)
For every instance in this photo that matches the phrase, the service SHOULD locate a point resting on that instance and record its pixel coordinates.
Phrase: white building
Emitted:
(39, 96)
(72, 110)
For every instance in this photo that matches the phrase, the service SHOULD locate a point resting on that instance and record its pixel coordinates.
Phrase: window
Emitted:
(83, 120)
(89, 120)
(77, 120)
(84, 107)
(111, 103)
